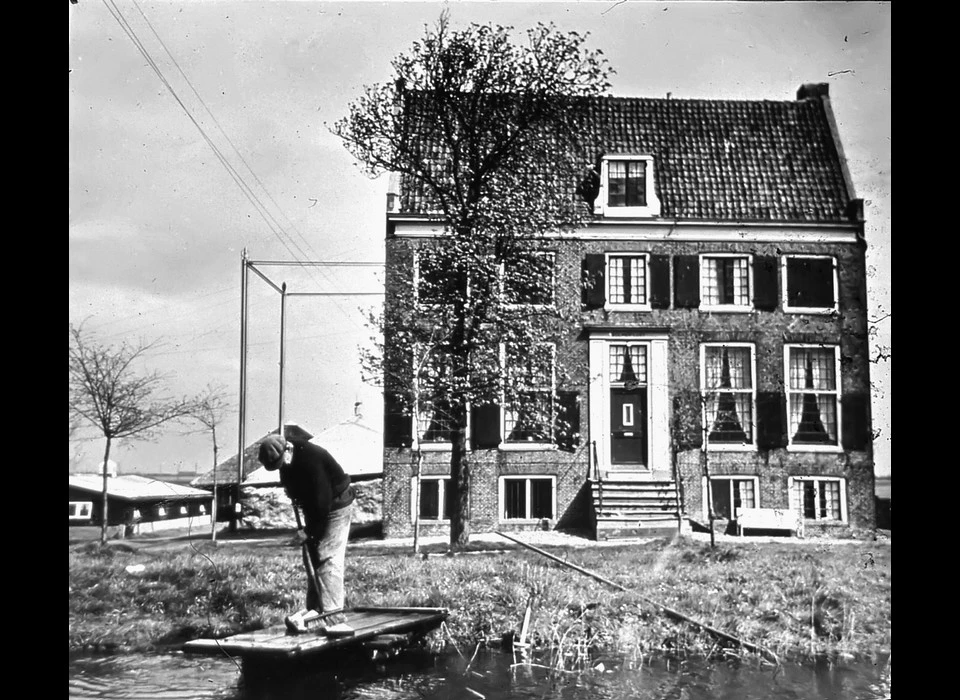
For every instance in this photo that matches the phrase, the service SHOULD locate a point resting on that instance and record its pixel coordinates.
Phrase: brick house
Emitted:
(720, 289)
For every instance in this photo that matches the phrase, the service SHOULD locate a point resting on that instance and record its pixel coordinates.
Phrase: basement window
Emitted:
(435, 498)
(818, 498)
(527, 498)
(627, 187)
(730, 494)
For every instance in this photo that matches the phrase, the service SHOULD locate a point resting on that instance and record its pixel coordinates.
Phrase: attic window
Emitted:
(626, 187)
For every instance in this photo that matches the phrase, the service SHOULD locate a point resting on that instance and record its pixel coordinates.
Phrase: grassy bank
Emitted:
(798, 601)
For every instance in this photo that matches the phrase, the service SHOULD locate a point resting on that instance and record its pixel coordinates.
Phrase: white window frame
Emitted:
(529, 446)
(184, 510)
(442, 495)
(161, 511)
(727, 308)
(809, 309)
(501, 496)
(612, 306)
(728, 477)
(730, 446)
(203, 509)
(804, 446)
(425, 446)
(600, 205)
(794, 506)
(83, 510)
(416, 286)
(553, 281)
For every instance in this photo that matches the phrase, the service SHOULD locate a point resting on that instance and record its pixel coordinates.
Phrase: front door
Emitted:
(628, 423)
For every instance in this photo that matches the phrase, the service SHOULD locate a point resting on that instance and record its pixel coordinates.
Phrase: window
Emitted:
(810, 282)
(80, 510)
(627, 280)
(529, 279)
(435, 498)
(627, 187)
(183, 510)
(435, 283)
(818, 498)
(729, 393)
(527, 498)
(203, 509)
(725, 282)
(528, 402)
(812, 395)
(627, 183)
(434, 418)
(730, 494)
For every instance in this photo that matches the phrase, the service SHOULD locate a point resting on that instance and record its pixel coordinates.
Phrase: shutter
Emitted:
(687, 421)
(567, 427)
(856, 433)
(485, 426)
(765, 282)
(593, 282)
(660, 281)
(686, 270)
(771, 420)
(397, 422)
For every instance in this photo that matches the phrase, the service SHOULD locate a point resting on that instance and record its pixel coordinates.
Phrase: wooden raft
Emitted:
(374, 627)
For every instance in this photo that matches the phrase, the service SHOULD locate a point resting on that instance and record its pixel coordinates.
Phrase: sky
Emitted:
(201, 128)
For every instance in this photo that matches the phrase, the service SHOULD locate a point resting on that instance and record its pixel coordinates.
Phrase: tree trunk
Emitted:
(705, 463)
(103, 523)
(460, 481)
(213, 508)
(416, 501)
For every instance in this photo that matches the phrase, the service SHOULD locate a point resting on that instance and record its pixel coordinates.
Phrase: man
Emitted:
(317, 484)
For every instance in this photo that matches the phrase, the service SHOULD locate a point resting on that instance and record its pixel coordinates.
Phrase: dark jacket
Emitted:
(316, 483)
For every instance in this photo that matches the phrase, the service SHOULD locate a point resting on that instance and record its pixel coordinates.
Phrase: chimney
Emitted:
(808, 90)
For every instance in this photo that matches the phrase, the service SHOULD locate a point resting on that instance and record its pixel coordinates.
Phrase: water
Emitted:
(492, 675)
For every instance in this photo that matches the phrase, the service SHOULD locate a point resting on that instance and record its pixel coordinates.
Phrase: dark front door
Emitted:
(628, 427)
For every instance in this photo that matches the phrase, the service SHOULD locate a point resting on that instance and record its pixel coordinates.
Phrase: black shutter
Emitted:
(771, 420)
(686, 278)
(567, 428)
(485, 426)
(856, 433)
(765, 283)
(397, 423)
(660, 281)
(592, 281)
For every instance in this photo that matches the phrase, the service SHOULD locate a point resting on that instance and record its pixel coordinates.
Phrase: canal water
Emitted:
(490, 675)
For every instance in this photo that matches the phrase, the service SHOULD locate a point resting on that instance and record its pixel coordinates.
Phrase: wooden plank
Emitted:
(368, 623)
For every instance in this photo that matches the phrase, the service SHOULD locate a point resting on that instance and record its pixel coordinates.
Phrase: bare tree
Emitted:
(211, 409)
(482, 126)
(109, 391)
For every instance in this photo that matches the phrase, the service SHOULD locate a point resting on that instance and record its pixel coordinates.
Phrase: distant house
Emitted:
(227, 481)
(139, 503)
(354, 443)
(718, 309)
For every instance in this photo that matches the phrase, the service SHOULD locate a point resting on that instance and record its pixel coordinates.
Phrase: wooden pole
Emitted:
(668, 611)
(241, 419)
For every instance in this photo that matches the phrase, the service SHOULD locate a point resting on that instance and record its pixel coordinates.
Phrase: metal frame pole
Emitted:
(243, 383)
(283, 328)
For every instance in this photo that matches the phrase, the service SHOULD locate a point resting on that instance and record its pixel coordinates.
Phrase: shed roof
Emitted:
(131, 487)
(714, 160)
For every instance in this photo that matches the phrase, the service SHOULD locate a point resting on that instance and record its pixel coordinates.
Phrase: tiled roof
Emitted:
(226, 471)
(718, 160)
(133, 488)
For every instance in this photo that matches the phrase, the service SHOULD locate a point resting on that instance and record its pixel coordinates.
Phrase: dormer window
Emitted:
(626, 187)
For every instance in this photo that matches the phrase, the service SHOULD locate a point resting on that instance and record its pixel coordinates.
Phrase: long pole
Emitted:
(243, 381)
(669, 611)
(283, 329)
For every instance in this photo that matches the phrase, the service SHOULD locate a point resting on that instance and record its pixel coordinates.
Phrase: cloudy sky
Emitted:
(199, 128)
